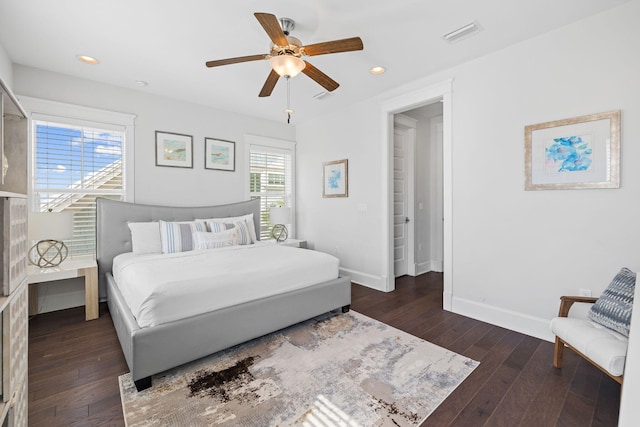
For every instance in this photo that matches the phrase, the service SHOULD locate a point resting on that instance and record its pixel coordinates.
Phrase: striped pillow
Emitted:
(218, 227)
(613, 309)
(178, 236)
(246, 232)
(232, 220)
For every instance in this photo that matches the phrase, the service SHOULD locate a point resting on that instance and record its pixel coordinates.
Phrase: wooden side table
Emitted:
(87, 268)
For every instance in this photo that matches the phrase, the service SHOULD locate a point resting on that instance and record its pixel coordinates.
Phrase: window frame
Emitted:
(276, 144)
(75, 115)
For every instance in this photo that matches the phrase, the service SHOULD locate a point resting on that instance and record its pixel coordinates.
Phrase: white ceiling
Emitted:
(166, 43)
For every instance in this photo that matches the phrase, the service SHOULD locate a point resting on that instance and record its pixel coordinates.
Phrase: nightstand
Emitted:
(295, 243)
(87, 268)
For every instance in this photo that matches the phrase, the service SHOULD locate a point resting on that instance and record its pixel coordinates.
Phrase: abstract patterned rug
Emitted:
(335, 369)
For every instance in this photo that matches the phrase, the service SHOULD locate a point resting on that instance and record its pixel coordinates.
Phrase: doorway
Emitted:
(417, 190)
(390, 108)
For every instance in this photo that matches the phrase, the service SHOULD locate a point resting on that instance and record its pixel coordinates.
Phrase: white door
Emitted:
(402, 200)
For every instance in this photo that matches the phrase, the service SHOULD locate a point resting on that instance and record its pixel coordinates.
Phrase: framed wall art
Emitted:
(577, 153)
(219, 154)
(335, 178)
(174, 150)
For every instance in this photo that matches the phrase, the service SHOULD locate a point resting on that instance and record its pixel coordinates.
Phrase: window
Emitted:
(77, 154)
(74, 164)
(271, 171)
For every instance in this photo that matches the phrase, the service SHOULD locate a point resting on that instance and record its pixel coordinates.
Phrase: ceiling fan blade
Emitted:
(271, 25)
(272, 79)
(321, 78)
(335, 46)
(228, 61)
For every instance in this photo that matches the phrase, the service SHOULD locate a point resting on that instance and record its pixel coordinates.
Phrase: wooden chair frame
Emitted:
(565, 305)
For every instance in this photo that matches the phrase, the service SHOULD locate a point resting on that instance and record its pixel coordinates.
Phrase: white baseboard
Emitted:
(364, 279)
(509, 319)
(428, 266)
(437, 265)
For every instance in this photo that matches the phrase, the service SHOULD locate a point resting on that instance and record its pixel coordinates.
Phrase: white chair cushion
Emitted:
(603, 346)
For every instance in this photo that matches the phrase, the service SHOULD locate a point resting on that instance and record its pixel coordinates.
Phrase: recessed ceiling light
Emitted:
(87, 59)
(141, 83)
(377, 70)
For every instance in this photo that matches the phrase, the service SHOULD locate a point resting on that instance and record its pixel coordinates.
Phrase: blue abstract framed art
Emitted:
(577, 153)
(335, 179)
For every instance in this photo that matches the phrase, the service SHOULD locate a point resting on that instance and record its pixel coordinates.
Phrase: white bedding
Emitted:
(161, 288)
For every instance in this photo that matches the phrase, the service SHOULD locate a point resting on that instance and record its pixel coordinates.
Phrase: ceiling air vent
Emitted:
(321, 95)
(463, 32)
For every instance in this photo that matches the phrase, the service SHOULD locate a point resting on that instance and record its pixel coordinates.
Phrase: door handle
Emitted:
(406, 219)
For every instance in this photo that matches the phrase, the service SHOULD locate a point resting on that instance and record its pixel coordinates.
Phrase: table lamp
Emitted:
(48, 229)
(279, 216)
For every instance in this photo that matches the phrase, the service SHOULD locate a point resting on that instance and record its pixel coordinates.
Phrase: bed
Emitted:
(159, 345)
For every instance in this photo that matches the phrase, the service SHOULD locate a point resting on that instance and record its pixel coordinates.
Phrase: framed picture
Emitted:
(219, 154)
(335, 179)
(174, 150)
(582, 152)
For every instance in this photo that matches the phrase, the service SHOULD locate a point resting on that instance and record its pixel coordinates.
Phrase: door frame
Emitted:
(390, 107)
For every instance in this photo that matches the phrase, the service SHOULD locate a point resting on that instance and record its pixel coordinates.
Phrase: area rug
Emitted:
(333, 370)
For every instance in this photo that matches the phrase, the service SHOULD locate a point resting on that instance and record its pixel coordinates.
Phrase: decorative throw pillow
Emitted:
(233, 219)
(222, 239)
(246, 231)
(145, 237)
(217, 227)
(613, 309)
(178, 236)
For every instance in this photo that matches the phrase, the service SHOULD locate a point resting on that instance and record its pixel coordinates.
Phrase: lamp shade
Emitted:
(280, 215)
(287, 65)
(50, 225)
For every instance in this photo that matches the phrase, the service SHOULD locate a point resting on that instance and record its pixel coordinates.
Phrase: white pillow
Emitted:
(205, 240)
(145, 237)
(232, 220)
(178, 236)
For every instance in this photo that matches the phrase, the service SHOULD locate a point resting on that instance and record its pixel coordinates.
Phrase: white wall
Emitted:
(175, 186)
(6, 68)
(154, 185)
(339, 225)
(514, 252)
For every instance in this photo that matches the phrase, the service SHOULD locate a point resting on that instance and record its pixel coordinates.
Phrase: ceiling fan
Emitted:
(286, 52)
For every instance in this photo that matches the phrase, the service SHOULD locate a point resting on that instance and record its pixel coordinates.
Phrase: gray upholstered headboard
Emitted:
(113, 236)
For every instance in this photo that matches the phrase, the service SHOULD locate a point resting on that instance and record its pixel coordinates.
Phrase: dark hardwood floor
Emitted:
(74, 366)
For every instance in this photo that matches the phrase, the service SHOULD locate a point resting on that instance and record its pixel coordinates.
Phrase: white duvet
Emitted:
(161, 288)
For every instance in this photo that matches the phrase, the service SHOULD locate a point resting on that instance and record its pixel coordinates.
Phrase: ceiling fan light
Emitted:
(287, 65)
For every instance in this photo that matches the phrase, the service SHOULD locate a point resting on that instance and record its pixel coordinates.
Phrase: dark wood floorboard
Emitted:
(74, 367)
(73, 370)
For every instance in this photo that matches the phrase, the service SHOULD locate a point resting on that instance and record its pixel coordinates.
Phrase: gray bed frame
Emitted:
(152, 350)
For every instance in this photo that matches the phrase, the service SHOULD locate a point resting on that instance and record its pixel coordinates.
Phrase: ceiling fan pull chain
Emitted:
(288, 110)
